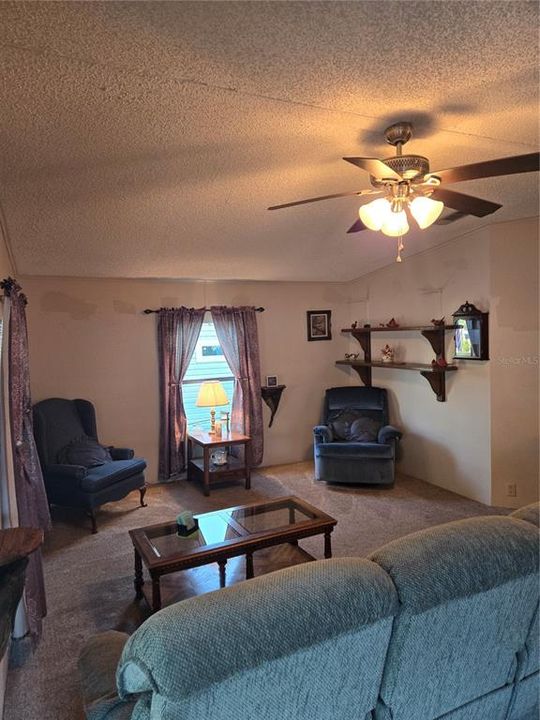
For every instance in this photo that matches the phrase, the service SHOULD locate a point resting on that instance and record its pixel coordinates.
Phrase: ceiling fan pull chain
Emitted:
(399, 248)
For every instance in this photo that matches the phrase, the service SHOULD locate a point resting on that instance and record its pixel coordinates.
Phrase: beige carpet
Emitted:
(89, 577)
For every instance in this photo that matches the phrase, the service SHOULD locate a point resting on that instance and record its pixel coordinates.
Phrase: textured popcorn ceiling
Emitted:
(146, 139)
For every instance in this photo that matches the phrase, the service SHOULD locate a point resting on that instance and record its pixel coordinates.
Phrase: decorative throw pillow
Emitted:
(84, 451)
(351, 425)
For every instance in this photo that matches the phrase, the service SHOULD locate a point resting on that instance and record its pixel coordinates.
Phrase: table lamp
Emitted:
(211, 394)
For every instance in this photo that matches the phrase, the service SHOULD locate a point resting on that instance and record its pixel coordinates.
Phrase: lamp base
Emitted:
(213, 421)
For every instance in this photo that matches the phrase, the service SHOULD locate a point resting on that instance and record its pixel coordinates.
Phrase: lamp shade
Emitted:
(395, 224)
(211, 394)
(425, 211)
(375, 213)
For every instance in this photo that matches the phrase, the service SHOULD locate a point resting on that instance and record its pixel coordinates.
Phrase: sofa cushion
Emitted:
(84, 451)
(97, 667)
(352, 425)
(98, 478)
(529, 513)
(354, 450)
(192, 645)
(468, 592)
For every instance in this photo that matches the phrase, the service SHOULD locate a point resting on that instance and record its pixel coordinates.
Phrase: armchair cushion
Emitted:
(102, 476)
(85, 451)
(354, 450)
(121, 453)
(353, 425)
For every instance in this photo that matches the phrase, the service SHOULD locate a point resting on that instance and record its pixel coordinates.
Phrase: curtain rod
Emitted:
(148, 311)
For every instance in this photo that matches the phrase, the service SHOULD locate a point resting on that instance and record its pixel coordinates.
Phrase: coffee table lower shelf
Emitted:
(184, 584)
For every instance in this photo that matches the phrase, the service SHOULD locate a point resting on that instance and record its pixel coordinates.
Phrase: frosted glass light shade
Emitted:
(212, 394)
(395, 224)
(375, 213)
(425, 211)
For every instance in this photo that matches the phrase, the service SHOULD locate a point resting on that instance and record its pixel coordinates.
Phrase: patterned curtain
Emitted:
(178, 332)
(236, 329)
(31, 499)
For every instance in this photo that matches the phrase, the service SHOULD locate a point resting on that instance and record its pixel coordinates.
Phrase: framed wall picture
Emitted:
(271, 381)
(319, 326)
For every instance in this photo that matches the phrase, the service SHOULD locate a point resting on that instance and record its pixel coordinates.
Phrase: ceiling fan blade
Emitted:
(450, 218)
(357, 226)
(374, 167)
(466, 204)
(490, 168)
(325, 197)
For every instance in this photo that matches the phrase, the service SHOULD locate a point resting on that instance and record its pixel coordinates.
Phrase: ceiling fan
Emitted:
(407, 186)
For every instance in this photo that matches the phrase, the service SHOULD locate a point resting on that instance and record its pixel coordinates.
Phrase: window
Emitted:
(207, 363)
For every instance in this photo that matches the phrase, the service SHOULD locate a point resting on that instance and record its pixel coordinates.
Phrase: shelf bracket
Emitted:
(364, 338)
(437, 380)
(272, 396)
(435, 337)
(365, 374)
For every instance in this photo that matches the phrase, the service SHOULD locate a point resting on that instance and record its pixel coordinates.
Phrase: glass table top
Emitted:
(222, 526)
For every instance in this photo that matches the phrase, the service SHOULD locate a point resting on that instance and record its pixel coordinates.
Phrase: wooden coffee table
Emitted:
(222, 535)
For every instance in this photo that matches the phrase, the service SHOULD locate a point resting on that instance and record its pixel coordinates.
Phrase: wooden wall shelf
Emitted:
(271, 394)
(434, 334)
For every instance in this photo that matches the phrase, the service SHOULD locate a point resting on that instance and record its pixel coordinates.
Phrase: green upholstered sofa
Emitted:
(440, 624)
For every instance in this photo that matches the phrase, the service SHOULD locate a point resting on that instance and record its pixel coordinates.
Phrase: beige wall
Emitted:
(89, 339)
(514, 361)
(448, 443)
(486, 434)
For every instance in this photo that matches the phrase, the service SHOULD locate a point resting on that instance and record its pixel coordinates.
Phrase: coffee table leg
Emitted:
(249, 566)
(156, 594)
(327, 544)
(206, 460)
(222, 572)
(139, 581)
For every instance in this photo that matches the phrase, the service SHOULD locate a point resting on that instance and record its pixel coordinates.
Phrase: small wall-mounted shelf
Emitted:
(271, 394)
(434, 334)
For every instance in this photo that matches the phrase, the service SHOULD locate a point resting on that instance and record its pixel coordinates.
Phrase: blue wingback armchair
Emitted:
(61, 426)
(355, 443)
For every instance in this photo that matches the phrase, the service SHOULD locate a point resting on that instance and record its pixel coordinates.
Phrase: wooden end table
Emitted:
(205, 470)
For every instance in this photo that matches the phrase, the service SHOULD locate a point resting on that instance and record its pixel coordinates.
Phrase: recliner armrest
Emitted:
(69, 472)
(322, 434)
(121, 453)
(388, 433)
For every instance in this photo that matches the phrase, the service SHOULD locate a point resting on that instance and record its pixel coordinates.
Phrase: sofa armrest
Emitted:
(97, 672)
(121, 453)
(67, 472)
(387, 434)
(322, 434)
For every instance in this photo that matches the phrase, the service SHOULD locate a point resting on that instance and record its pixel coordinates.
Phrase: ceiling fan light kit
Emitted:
(408, 186)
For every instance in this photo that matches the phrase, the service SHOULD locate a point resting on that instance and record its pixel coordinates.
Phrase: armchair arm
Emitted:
(322, 434)
(67, 472)
(387, 434)
(121, 453)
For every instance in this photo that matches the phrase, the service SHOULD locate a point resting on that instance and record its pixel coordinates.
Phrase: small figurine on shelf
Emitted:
(354, 325)
(437, 322)
(392, 324)
(439, 363)
(387, 354)
(351, 356)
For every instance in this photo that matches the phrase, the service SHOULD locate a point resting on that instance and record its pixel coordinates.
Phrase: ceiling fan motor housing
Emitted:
(408, 166)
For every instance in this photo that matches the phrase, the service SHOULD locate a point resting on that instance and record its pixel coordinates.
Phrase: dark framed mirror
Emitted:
(471, 333)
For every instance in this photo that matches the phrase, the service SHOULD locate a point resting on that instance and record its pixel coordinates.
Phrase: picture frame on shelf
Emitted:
(271, 381)
(319, 325)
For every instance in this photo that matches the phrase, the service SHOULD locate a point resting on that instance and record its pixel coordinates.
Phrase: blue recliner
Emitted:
(78, 471)
(355, 443)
